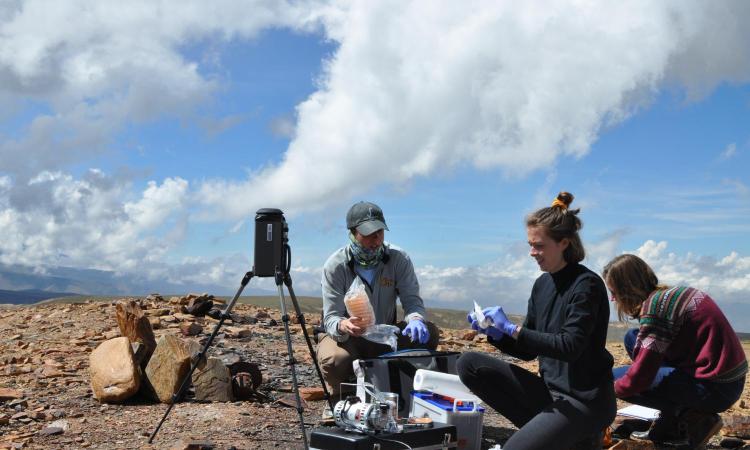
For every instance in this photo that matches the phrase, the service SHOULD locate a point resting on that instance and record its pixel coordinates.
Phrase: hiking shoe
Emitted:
(664, 430)
(701, 426)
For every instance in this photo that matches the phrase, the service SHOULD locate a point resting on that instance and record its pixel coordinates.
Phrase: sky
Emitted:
(140, 137)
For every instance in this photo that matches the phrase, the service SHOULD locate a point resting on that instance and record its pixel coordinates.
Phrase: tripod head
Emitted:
(273, 256)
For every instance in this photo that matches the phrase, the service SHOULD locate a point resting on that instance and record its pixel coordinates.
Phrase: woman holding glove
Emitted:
(572, 398)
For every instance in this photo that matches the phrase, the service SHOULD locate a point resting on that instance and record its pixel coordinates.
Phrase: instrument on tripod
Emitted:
(272, 258)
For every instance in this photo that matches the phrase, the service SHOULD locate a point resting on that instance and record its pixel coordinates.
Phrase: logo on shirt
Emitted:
(387, 282)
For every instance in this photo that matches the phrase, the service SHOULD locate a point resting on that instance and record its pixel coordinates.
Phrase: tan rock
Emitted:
(10, 394)
(190, 329)
(312, 393)
(469, 335)
(155, 323)
(157, 312)
(114, 373)
(135, 325)
(167, 367)
(213, 381)
(736, 425)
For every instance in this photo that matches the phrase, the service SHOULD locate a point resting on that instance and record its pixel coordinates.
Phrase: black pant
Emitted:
(545, 419)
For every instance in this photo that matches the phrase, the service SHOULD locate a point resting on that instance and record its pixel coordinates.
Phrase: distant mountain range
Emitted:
(21, 284)
(30, 296)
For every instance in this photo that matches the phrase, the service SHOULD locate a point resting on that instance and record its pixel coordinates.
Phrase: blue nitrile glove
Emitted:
(489, 331)
(500, 320)
(417, 331)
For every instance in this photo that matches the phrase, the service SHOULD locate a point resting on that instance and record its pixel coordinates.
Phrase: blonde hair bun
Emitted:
(563, 200)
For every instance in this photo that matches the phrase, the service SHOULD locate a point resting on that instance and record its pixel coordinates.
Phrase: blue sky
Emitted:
(141, 143)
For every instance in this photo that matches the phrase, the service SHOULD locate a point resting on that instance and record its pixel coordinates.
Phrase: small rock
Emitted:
(469, 335)
(736, 425)
(60, 424)
(10, 394)
(50, 431)
(312, 393)
(192, 445)
(190, 329)
(732, 442)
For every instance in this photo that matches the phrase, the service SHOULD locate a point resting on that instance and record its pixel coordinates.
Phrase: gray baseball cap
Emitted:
(366, 217)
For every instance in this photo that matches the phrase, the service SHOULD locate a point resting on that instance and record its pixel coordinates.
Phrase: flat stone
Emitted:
(10, 394)
(736, 425)
(50, 431)
(312, 393)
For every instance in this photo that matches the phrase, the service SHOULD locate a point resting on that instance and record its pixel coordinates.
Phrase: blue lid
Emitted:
(445, 403)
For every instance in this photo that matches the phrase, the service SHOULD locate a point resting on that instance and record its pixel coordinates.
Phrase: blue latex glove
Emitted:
(493, 332)
(417, 331)
(500, 320)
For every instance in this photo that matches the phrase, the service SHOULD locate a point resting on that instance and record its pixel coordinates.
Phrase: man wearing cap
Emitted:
(387, 273)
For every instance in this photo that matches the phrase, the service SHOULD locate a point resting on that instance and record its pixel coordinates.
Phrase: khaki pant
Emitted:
(335, 358)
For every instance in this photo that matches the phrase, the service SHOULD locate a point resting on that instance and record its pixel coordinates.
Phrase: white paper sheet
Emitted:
(639, 412)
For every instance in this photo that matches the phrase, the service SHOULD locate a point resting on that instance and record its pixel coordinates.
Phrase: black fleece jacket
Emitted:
(566, 328)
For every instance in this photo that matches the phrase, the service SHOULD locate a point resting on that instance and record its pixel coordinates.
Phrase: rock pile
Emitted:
(134, 363)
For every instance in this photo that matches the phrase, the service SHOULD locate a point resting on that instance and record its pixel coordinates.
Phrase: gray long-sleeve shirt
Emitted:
(394, 277)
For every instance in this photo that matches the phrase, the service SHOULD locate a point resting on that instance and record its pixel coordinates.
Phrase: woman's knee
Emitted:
(465, 365)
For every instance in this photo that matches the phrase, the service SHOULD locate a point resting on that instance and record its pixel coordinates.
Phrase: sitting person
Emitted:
(387, 273)
(687, 361)
(572, 399)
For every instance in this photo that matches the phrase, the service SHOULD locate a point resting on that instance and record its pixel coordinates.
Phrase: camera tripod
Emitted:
(281, 276)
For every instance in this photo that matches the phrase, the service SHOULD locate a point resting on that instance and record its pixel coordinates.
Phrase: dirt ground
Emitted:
(44, 357)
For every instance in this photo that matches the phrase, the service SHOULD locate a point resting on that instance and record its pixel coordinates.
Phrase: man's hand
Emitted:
(352, 326)
(417, 331)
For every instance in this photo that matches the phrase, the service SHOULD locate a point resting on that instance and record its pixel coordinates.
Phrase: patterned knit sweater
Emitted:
(683, 327)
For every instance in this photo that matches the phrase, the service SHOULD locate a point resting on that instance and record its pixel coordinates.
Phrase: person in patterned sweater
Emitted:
(687, 360)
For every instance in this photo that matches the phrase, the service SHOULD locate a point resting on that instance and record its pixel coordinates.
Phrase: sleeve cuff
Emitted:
(413, 316)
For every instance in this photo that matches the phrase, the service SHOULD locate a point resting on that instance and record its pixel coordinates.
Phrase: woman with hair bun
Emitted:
(687, 360)
(572, 398)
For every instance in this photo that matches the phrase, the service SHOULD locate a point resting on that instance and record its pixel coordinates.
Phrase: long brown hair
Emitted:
(632, 281)
(561, 223)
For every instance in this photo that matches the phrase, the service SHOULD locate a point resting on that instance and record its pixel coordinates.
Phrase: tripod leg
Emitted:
(292, 361)
(301, 319)
(197, 359)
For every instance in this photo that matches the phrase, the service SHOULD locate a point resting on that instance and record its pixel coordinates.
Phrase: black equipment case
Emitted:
(394, 372)
(440, 436)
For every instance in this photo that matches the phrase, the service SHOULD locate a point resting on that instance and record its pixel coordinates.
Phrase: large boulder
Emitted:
(114, 371)
(168, 366)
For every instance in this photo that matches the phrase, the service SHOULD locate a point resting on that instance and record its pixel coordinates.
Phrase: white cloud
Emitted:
(96, 66)
(492, 84)
(726, 279)
(54, 219)
(729, 152)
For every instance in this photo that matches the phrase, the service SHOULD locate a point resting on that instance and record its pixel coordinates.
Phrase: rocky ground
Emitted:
(46, 400)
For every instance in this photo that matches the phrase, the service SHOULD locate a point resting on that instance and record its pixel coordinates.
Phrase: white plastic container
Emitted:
(464, 415)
